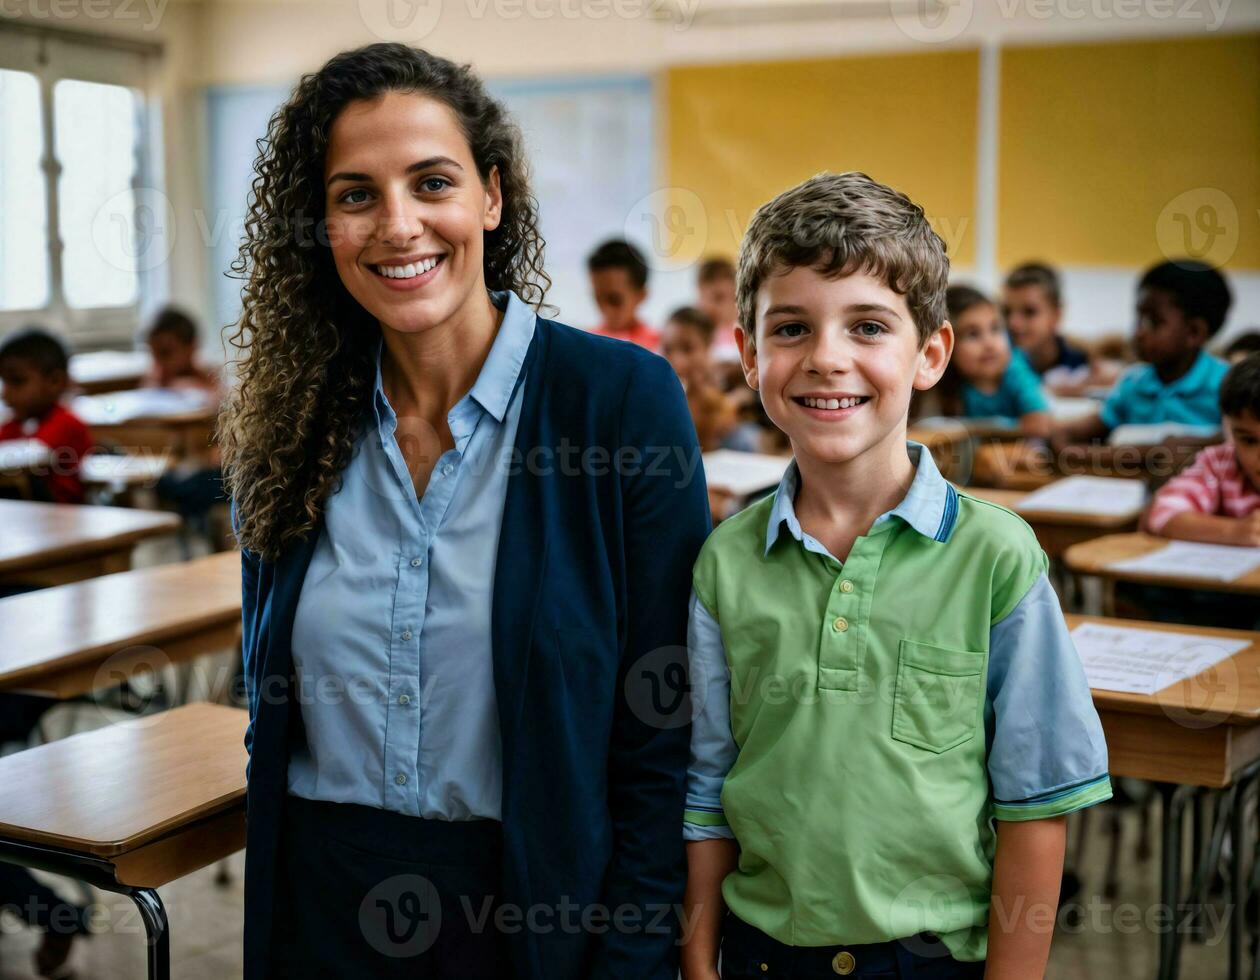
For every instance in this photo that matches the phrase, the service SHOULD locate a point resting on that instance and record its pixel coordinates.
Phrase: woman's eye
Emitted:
(790, 329)
(356, 195)
(432, 185)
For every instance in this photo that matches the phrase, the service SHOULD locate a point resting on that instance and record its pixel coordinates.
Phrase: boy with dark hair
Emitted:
(619, 277)
(34, 369)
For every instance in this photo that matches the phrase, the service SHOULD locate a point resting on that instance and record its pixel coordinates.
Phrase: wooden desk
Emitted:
(949, 442)
(1195, 738)
(1058, 530)
(99, 372)
(1200, 732)
(1094, 557)
(1012, 465)
(150, 419)
(131, 807)
(72, 639)
(52, 544)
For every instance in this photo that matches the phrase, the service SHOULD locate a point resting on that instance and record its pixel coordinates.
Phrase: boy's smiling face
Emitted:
(836, 360)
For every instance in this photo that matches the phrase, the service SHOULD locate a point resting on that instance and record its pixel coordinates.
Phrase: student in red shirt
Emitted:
(34, 370)
(619, 278)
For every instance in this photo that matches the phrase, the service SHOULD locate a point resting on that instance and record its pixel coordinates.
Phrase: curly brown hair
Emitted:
(307, 370)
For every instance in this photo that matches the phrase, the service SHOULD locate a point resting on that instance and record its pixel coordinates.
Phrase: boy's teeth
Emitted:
(832, 403)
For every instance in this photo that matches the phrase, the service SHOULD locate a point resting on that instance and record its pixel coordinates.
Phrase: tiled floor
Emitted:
(1111, 944)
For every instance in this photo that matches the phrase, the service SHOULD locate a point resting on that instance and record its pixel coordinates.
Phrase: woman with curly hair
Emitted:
(467, 535)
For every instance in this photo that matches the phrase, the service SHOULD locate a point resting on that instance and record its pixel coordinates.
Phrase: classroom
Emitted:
(629, 489)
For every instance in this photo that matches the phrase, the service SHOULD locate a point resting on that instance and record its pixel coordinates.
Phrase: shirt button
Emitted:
(417, 562)
(841, 624)
(401, 779)
(843, 963)
(846, 586)
(404, 699)
(448, 469)
(406, 635)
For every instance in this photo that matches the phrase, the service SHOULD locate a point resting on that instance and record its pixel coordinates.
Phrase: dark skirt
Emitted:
(362, 892)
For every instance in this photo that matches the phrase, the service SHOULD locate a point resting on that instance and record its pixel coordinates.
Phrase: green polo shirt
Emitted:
(859, 726)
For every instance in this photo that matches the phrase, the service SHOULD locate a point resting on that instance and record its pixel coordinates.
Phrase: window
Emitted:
(23, 195)
(78, 186)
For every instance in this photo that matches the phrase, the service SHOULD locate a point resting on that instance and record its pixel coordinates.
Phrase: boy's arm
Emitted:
(1047, 758)
(711, 849)
(1027, 872)
(1036, 425)
(708, 864)
(1074, 431)
(1211, 529)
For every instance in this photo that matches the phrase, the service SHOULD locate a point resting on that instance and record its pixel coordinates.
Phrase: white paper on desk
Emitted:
(1137, 661)
(1188, 559)
(743, 473)
(1089, 495)
(1064, 408)
(1153, 435)
(23, 454)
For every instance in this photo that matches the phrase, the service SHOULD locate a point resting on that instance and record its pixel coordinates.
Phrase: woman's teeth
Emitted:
(409, 271)
(833, 403)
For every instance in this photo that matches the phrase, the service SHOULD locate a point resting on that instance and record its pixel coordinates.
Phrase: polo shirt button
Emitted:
(846, 586)
(765, 967)
(448, 469)
(401, 779)
(844, 963)
(841, 624)
(406, 635)
(404, 699)
(417, 562)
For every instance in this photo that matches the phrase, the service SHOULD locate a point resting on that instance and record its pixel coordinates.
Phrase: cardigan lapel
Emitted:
(522, 551)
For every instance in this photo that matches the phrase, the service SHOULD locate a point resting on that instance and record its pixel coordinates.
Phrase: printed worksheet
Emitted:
(1189, 559)
(1089, 495)
(1138, 661)
(743, 473)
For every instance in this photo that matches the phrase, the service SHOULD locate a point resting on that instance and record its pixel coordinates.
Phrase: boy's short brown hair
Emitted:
(839, 223)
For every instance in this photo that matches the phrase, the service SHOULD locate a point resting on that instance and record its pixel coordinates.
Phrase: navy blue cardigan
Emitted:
(605, 514)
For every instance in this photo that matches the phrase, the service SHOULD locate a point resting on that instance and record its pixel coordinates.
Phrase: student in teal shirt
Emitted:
(987, 378)
(890, 721)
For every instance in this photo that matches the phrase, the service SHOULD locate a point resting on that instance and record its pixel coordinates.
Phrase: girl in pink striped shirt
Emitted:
(1217, 498)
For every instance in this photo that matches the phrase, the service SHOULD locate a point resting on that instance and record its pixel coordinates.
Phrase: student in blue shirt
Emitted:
(467, 535)
(1180, 306)
(986, 378)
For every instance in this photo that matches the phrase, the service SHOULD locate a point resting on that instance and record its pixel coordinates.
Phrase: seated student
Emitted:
(173, 342)
(1217, 499)
(986, 378)
(1241, 346)
(890, 720)
(619, 278)
(686, 343)
(195, 485)
(1181, 305)
(715, 289)
(1032, 307)
(35, 372)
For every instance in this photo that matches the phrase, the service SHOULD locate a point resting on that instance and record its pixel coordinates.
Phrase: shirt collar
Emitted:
(1198, 378)
(930, 506)
(502, 369)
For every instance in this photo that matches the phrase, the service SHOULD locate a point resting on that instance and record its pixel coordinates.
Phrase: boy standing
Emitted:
(879, 665)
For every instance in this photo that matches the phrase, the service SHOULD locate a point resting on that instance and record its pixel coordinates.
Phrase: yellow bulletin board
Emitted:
(737, 134)
(1120, 154)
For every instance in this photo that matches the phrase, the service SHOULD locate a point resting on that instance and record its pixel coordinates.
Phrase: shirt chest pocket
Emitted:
(939, 695)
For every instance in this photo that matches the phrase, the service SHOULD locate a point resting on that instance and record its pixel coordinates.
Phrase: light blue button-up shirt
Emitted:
(1035, 684)
(391, 640)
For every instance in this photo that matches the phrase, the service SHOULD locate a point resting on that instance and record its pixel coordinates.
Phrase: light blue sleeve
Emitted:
(1047, 754)
(713, 748)
(1025, 386)
(1116, 409)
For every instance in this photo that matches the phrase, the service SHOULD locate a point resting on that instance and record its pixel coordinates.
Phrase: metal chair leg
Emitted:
(1175, 799)
(157, 929)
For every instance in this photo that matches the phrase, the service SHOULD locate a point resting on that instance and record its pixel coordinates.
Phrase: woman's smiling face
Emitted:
(406, 210)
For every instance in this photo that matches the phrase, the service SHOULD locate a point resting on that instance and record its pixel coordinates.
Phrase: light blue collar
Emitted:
(1200, 377)
(499, 374)
(930, 506)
